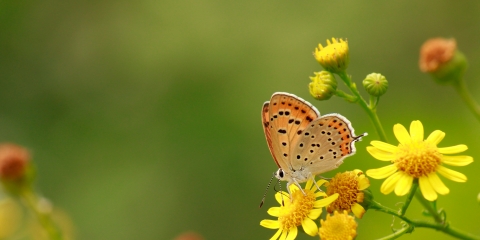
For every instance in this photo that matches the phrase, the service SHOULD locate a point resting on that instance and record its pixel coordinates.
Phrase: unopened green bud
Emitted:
(441, 58)
(334, 57)
(376, 84)
(323, 85)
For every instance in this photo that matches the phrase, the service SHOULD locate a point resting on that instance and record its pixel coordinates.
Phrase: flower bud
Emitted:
(376, 84)
(440, 58)
(323, 85)
(16, 172)
(334, 57)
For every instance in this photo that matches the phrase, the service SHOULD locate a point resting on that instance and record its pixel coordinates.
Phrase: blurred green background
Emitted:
(144, 116)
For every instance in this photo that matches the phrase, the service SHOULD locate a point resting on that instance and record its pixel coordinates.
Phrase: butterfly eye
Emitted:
(279, 173)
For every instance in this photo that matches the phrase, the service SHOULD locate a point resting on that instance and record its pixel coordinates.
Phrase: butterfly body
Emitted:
(303, 143)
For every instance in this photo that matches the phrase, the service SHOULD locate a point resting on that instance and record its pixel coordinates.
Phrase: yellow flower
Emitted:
(10, 217)
(334, 57)
(299, 212)
(349, 185)
(338, 226)
(416, 158)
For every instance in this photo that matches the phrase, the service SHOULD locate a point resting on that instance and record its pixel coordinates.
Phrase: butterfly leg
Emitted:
(315, 182)
(322, 177)
(312, 177)
(298, 185)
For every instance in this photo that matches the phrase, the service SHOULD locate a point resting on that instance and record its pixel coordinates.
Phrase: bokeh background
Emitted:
(144, 116)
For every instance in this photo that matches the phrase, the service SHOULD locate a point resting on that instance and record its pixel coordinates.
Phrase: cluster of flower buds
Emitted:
(334, 58)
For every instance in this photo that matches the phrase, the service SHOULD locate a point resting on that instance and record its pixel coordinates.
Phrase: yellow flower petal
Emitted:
(383, 172)
(384, 146)
(285, 197)
(275, 236)
(315, 213)
(435, 137)
(284, 234)
(450, 174)
(326, 201)
(274, 211)
(403, 185)
(357, 171)
(309, 227)
(437, 184)
(309, 184)
(321, 182)
(401, 134)
(427, 190)
(363, 183)
(358, 210)
(320, 194)
(272, 224)
(453, 149)
(457, 160)
(389, 184)
(416, 131)
(380, 154)
(292, 234)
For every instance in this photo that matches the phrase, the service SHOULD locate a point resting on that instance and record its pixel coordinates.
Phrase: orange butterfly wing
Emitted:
(283, 118)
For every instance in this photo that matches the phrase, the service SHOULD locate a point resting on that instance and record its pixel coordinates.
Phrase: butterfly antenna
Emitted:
(281, 194)
(359, 137)
(279, 191)
(265, 194)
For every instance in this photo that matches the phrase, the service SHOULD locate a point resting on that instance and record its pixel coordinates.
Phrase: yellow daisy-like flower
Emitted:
(338, 226)
(349, 185)
(334, 57)
(416, 158)
(10, 217)
(301, 212)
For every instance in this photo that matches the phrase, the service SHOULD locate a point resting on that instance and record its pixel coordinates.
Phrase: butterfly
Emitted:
(303, 143)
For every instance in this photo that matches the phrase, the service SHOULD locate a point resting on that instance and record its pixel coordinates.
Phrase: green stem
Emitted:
(398, 233)
(467, 98)
(31, 200)
(446, 228)
(409, 197)
(371, 111)
(428, 206)
(346, 96)
(379, 207)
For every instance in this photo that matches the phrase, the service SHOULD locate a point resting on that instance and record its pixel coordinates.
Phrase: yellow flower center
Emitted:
(292, 214)
(338, 226)
(346, 185)
(417, 158)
